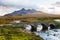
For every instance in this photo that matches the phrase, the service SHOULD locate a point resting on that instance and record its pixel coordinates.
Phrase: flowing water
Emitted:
(53, 34)
(49, 34)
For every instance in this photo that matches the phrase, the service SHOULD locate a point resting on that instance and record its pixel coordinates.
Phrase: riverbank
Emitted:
(16, 33)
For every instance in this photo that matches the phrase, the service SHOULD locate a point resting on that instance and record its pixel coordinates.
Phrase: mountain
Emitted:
(30, 13)
(22, 11)
(40, 14)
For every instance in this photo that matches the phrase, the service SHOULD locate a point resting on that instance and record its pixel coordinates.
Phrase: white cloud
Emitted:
(19, 3)
(12, 5)
(6, 10)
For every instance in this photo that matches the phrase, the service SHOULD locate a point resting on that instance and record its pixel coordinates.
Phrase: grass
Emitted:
(11, 33)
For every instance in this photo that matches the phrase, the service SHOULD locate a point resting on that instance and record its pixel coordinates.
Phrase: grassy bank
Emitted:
(12, 33)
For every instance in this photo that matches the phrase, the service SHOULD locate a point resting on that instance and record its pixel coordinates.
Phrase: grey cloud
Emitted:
(17, 5)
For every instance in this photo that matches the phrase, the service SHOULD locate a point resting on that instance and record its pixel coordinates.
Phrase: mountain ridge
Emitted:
(31, 13)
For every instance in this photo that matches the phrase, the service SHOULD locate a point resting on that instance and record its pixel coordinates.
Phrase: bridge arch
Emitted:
(45, 27)
(52, 25)
(39, 27)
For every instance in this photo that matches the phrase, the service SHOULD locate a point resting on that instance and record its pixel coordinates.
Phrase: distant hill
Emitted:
(22, 11)
(40, 14)
(30, 13)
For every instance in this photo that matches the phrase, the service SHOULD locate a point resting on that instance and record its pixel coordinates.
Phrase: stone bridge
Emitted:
(39, 26)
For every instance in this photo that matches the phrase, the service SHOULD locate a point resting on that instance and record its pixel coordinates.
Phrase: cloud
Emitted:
(18, 3)
(26, 3)
(6, 10)
(12, 5)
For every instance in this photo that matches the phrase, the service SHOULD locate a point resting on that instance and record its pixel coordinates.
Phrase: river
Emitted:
(49, 34)
(53, 34)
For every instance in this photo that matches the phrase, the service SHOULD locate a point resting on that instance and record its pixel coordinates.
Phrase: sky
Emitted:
(49, 6)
